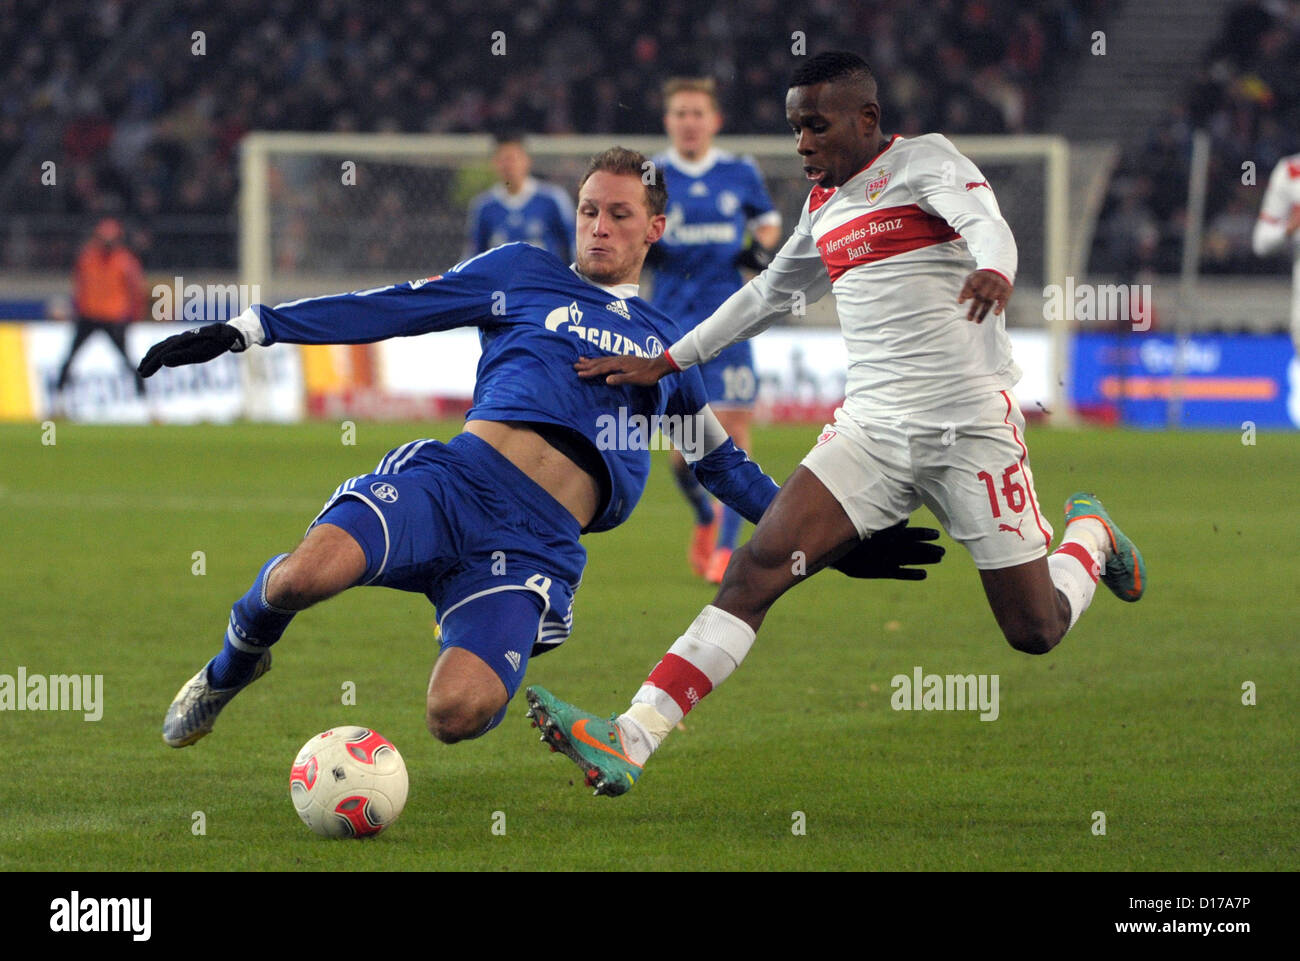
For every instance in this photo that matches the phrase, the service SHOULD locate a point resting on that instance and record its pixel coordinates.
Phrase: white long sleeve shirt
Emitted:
(1280, 198)
(895, 243)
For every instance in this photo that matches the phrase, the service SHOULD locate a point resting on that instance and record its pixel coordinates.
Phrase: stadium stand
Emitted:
(140, 125)
(1245, 90)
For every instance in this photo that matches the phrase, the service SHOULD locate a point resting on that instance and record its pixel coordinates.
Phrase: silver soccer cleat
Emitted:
(195, 708)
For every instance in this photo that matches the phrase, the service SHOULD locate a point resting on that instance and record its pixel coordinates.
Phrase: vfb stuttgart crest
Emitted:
(385, 492)
(877, 180)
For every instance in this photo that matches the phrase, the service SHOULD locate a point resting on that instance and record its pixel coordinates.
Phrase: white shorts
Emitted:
(967, 463)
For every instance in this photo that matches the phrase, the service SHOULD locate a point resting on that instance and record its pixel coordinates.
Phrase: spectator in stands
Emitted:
(145, 134)
(1246, 93)
(108, 294)
(1227, 237)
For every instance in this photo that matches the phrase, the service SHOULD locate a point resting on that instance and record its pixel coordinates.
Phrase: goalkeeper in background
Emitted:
(717, 203)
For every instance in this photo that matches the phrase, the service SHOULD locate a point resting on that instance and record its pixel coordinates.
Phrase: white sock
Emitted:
(1076, 564)
(701, 659)
(643, 729)
(1091, 533)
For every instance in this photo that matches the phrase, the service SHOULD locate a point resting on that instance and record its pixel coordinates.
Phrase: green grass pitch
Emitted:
(1138, 714)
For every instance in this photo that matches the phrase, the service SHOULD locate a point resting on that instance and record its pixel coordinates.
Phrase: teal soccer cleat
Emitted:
(1125, 572)
(591, 742)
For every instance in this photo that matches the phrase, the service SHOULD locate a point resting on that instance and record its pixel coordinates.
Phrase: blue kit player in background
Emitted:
(487, 525)
(520, 207)
(717, 202)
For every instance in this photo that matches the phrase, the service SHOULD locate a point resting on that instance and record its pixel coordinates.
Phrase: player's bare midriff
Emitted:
(553, 471)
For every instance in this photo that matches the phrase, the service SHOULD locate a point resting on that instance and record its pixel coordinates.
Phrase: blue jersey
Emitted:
(536, 317)
(541, 214)
(710, 203)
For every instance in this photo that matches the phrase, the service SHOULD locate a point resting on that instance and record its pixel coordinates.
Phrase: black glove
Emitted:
(885, 553)
(755, 257)
(191, 347)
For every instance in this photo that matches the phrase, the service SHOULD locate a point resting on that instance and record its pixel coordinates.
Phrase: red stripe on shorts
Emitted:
(1024, 456)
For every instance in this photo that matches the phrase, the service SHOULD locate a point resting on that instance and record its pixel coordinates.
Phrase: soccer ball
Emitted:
(349, 782)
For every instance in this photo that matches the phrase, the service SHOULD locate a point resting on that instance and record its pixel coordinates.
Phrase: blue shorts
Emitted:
(462, 525)
(730, 379)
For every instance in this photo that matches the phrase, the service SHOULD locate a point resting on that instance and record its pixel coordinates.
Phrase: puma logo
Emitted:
(1015, 530)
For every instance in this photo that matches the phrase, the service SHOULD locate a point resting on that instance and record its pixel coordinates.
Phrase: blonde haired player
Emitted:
(716, 201)
(904, 231)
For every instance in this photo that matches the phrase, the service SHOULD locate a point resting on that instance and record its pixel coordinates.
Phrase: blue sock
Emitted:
(695, 494)
(729, 529)
(254, 626)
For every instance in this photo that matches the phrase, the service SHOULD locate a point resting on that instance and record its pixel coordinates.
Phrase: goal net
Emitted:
(322, 213)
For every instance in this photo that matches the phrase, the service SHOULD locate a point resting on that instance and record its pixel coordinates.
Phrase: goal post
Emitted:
(320, 213)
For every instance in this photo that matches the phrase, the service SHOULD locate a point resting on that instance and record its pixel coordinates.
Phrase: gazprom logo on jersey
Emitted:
(600, 337)
(655, 432)
(677, 231)
(699, 234)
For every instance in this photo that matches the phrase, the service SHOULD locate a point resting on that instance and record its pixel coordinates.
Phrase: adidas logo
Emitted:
(513, 658)
(619, 307)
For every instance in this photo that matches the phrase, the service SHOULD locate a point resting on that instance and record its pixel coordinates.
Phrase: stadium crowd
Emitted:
(1246, 94)
(143, 126)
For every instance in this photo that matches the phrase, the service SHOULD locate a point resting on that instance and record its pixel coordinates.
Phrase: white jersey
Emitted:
(1281, 197)
(895, 243)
